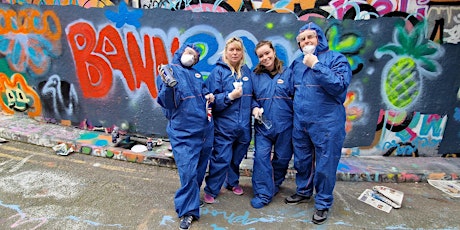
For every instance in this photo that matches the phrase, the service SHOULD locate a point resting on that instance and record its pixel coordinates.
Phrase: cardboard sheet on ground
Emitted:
(382, 198)
(450, 187)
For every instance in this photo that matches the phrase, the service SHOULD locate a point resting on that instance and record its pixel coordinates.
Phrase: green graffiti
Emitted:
(269, 25)
(401, 85)
(348, 44)
(85, 150)
(289, 36)
(109, 153)
(414, 58)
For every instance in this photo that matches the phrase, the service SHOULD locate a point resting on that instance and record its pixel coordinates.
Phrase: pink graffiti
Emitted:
(409, 177)
(23, 219)
(435, 117)
(412, 134)
(205, 7)
(383, 7)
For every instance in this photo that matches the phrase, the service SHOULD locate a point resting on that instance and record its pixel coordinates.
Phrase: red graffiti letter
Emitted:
(111, 46)
(93, 71)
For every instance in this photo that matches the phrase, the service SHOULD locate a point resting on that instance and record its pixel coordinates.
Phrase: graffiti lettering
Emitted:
(98, 56)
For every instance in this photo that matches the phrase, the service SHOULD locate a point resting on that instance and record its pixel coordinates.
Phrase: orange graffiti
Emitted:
(96, 58)
(19, 96)
(92, 69)
(31, 38)
(31, 21)
(110, 45)
(353, 112)
(86, 4)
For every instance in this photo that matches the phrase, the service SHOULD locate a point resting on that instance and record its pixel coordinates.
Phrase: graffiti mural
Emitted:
(93, 65)
(18, 96)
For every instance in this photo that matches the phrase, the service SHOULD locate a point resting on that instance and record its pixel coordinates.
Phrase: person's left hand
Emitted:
(310, 60)
(257, 112)
(210, 97)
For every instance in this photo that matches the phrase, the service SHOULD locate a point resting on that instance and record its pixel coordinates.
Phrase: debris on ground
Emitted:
(382, 198)
(139, 148)
(62, 149)
(450, 187)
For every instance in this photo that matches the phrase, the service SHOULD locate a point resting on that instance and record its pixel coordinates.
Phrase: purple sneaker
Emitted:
(208, 199)
(237, 190)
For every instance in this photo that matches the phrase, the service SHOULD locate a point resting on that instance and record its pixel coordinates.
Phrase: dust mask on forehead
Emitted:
(187, 59)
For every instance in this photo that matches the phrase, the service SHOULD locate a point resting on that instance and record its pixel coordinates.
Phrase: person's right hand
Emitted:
(236, 93)
(162, 74)
(209, 97)
(310, 60)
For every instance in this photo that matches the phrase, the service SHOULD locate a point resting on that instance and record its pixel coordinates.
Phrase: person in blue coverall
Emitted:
(189, 129)
(231, 83)
(273, 90)
(321, 79)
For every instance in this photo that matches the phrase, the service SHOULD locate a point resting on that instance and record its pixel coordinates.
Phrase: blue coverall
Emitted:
(319, 119)
(232, 125)
(189, 131)
(274, 95)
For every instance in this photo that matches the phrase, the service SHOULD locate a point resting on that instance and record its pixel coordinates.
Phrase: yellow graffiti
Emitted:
(19, 96)
(353, 112)
(267, 4)
(86, 3)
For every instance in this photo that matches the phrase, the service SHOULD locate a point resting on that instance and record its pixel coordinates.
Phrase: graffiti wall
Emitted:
(93, 65)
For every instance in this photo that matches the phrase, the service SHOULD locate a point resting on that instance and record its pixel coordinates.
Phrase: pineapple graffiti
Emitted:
(413, 58)
(18, 96)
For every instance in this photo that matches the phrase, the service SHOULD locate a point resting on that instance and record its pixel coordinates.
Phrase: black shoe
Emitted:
(201, 203)
(320, 216)
(296, 199)
(186, 222)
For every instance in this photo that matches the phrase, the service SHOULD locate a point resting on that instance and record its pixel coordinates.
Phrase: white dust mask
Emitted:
(187, 60)
(309, 49)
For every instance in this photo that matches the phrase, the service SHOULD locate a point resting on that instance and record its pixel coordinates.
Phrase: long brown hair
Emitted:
(278, 63)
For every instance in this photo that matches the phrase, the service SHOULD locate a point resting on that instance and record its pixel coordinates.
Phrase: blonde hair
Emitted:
(224, 57)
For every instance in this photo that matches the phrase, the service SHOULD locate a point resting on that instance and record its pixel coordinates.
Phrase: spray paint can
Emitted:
(209, 110)
(149, 144)
(115, 135)
(168, 75)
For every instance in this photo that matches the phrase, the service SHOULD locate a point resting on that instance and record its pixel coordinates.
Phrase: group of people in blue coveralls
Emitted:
(298, 111)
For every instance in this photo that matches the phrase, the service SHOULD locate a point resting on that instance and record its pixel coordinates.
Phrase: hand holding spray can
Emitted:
(264, 121)
(167, 76)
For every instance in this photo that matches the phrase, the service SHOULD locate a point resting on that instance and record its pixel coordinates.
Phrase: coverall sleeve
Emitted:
(254, 102)
(214, 84)
(168, 97)
(290, 81)
(336, 76)
(204, 90)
